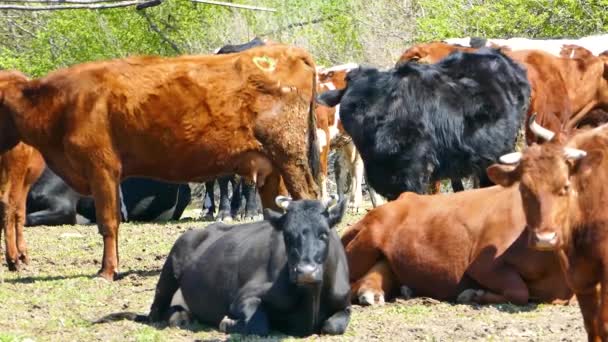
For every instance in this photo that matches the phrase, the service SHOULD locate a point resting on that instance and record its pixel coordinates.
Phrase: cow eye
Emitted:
(565, 189)
(323, 236)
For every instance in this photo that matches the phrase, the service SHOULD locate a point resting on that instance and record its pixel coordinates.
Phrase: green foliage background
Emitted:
(335, 31)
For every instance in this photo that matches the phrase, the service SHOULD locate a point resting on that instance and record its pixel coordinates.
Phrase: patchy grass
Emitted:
(57, 297)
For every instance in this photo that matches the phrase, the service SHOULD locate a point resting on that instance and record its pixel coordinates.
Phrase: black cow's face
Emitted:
(306, 228)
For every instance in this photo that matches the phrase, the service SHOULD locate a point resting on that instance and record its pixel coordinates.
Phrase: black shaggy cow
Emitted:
(288, 273)
(52, 202)
(418, 123)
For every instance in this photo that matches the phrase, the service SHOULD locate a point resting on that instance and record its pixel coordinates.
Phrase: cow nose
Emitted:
(307, 273)
(545, 240)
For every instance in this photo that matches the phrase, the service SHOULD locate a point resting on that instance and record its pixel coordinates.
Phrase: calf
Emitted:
(288, 273)
(564, 191)
(443, 246)
(421, 122)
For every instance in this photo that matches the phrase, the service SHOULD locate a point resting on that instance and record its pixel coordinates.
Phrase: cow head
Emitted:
(306, 226)
(550, 177)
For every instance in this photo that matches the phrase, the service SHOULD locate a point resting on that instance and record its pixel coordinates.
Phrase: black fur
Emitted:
(416, 122)
(477, 42)
(53, 202)
(255, 42)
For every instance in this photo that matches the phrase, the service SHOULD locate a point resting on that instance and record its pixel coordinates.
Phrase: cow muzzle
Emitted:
(545, 240)
(308, 274)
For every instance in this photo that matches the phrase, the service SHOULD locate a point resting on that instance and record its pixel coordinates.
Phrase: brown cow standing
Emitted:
(443, 245)
(20, 167)
(188, 118)
(564, 188)
(563, 90)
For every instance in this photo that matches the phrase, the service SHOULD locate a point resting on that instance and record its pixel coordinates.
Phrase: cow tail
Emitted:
(121, 316)
(314, 155)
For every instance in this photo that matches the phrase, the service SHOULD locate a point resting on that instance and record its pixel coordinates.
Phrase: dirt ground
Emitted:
(57, 297)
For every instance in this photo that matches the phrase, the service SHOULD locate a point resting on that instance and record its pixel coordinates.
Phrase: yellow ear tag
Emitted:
(265, 63)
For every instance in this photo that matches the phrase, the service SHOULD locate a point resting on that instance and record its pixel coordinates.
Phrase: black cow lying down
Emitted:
(288, 273)
(418, 123)
(52, 202)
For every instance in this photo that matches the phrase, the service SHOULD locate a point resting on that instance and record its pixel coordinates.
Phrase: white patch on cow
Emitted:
(123, 207)
(217, 50)
(225, 323)
(179, 318)
(321, 139)
(328, 85)
(366, 298)
(469, 296)
(572, 54)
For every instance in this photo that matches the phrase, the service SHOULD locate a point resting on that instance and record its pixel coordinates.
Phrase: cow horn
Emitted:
(539, 130)
(573, 153)
(283, 201)
(510, 158)
(333, 200)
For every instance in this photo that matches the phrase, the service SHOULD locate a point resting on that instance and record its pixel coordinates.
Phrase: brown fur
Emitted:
(188, 118)
(563, 90)
(435, 245)
(569, 197)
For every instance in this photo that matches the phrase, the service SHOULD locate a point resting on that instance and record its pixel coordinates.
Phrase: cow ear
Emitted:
(275, 218)
(584, 166)
(330, 98)
(504, 175)
(336, 212)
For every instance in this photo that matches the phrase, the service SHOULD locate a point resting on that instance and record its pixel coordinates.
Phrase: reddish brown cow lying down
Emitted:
(180, 119)
(441, 245)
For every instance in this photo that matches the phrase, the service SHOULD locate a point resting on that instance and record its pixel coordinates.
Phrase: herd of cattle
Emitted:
(535, 230)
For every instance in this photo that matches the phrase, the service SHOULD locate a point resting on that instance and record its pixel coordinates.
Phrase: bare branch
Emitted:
(300, 24)
(228, 4)
(162, 35)
(65, 7)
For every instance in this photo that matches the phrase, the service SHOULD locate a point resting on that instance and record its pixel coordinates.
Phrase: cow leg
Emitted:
(246, 314)
(209, 201)
(357, 174)
(362, 254)
(251, 198)
(588, 301)
(341, 174)
(165, 289)
(457, 184)
(10, 235)
(223, 213)
(236, 202)
(105, 193)
(484, 180)
(378, 284)
(502, 282)
(373, 195)
(337, 323)
(20, 202)
(52, 216)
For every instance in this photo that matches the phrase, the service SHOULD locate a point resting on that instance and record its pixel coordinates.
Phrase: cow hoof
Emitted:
(13, 265)
(406, 292)
(226, 323)
(24, 259)
(469, 296)
(109, 276)
(367, 298)
(224, 217)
